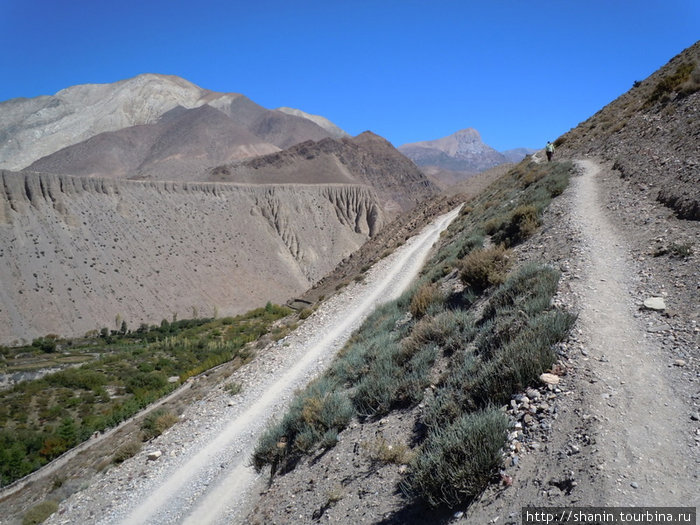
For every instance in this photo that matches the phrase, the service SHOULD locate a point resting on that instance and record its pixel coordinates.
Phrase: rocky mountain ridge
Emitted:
(461, 151)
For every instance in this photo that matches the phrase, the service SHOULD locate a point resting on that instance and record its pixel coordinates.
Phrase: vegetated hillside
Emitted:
(364, 159)
(419, 384)
(36, 127)
(180, 146)
(651, 134)
(78, 252)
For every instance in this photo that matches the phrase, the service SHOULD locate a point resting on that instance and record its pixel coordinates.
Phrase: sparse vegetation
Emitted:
(680, 81)
(390, 361)
(126, 451)
(682, 250)
(380, 450)
(40, 512)
(234, 388)
(157, 422)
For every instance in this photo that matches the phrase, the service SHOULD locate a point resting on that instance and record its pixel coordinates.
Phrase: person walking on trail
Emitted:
(549, 149)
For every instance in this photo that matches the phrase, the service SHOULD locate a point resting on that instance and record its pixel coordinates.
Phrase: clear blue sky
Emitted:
(519, 71)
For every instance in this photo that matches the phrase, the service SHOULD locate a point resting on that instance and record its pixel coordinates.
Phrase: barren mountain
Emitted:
(36, 127)
(365, 159)
(517, 154)
(180, 146)
(462, 151)
(333, 130)
(76, 252)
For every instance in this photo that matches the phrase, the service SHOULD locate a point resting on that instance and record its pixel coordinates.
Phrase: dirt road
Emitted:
(205, 477)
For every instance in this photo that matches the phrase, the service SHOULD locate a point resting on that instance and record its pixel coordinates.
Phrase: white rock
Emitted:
(152, 456)
(549, 379)
(655, 303)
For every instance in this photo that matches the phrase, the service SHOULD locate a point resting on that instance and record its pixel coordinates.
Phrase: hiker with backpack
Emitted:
(549, 149)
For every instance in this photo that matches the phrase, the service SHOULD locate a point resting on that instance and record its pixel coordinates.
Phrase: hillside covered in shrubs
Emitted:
(474, 330)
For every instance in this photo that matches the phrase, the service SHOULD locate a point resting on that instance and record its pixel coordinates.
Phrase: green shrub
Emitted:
(456, 463)
(157, 422)
(126, 451)
(529, 289)
(485, 267)
(314, 418)
(520, 361)
(38, 513)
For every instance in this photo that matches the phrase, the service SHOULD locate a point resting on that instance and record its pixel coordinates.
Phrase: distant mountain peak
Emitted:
(461, 151)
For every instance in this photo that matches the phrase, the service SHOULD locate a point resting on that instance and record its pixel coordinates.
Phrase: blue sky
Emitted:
(519, 71)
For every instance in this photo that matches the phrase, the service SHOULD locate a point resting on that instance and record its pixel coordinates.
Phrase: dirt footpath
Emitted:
(623, 430)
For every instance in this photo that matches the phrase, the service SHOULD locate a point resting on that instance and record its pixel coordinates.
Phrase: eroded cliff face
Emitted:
(77, 254)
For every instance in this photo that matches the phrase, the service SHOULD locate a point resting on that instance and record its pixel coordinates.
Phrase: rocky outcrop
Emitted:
(76, 253)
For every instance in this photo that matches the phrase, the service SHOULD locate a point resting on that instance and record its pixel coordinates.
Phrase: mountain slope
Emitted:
(76, 252)
(651, 134)
(36, 127)
(365, 159)
(181, 145)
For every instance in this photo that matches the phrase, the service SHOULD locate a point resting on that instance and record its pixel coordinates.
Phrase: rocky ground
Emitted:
(561, 440)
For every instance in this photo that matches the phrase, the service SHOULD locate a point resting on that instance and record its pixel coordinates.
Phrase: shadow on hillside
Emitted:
(418, 513)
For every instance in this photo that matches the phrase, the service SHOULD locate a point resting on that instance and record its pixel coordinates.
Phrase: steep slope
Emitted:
(76, 252)
(651, 134)
(365, 159)
(36, 127)
(461, 151)
(180, 146)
